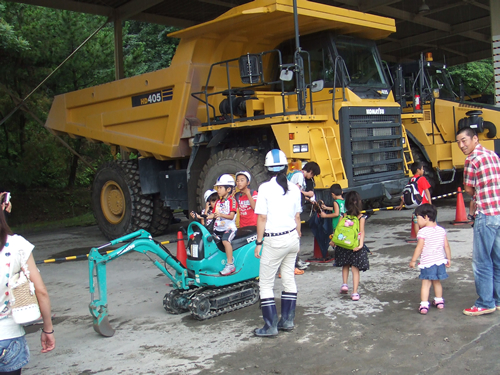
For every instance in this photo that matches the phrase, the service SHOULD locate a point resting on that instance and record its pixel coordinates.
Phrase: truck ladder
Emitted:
(326, 143)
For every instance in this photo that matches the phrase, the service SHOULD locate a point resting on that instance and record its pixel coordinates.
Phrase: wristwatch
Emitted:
(259, 243)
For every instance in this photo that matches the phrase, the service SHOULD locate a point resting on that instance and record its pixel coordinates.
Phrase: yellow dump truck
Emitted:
(433, 113)
(238, 86)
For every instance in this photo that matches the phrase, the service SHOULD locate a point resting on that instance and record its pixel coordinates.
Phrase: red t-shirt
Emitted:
(422, 184)
(247, 215)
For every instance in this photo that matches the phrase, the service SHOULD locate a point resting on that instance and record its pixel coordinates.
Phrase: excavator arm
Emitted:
(142, 242)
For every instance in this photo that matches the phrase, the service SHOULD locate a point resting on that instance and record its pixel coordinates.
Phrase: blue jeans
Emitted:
(14, 354)
(486, 260)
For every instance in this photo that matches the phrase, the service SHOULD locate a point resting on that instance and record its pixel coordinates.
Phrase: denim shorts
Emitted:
(14, 354)
(434, 273)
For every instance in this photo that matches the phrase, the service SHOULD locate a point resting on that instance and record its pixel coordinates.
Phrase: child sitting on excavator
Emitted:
(225, 218)
(211, 197)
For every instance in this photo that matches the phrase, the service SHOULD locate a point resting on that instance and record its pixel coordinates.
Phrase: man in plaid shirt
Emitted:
(482, 180)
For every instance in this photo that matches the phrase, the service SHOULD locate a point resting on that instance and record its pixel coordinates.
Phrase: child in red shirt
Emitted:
(246, 199)
(423, 186)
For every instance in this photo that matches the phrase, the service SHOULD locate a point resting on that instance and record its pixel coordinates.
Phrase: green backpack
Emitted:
(347, 232)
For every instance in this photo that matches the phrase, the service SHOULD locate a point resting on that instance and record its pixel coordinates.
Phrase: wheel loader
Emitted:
(432, 114)
(238, 86)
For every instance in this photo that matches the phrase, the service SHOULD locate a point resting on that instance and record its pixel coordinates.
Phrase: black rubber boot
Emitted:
(288, 303)
(270, 315)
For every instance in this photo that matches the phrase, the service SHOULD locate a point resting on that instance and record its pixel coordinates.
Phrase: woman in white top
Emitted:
(278, 235)
(15, 251)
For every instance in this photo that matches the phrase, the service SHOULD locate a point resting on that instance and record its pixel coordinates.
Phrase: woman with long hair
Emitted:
(15, 252)
(278, 236)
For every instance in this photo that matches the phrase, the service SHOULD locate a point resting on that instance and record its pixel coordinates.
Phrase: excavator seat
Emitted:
(243, 237)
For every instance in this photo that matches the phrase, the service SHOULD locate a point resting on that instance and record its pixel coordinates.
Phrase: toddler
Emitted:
(435, 255)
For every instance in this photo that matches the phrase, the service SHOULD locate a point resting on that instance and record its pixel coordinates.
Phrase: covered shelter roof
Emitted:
(457, 31)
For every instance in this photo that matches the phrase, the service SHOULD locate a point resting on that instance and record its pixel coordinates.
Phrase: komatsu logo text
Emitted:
(373, 111)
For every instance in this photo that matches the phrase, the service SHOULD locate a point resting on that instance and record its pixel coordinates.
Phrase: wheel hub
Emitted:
(112, 202)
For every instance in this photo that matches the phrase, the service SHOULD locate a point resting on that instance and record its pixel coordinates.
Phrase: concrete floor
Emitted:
(382, 333)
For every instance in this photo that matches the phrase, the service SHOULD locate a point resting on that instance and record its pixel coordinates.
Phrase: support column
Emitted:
(495, 38)
(119, 70)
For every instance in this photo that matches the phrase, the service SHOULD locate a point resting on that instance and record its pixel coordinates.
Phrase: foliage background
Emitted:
(33, 42)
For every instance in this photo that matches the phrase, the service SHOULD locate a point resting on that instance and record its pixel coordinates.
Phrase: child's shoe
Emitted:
(424, 308)
(344, 289)
(355, 297)
(439, 304)
(228, 269)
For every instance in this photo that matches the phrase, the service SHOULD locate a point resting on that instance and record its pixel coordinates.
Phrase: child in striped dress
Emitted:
(435, 256)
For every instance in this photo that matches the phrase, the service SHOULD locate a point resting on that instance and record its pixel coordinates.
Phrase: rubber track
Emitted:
(211, 293)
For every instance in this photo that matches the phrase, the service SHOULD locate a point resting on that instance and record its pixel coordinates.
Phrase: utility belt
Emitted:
(278, 234)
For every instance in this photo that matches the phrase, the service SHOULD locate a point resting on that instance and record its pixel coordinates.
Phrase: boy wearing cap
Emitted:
(225, 219)
(246, 199)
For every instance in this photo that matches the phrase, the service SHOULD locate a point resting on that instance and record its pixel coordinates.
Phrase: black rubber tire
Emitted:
(137, 208)
(230, 161)
(162, 216)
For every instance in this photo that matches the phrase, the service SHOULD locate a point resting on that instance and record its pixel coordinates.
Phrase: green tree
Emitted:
(477, 77)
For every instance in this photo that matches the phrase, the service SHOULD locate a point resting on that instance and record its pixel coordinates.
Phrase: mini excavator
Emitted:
(198, 287)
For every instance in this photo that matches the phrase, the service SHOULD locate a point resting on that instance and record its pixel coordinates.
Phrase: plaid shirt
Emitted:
(482, 172)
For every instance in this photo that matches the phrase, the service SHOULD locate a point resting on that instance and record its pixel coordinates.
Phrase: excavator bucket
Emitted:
(102, 326)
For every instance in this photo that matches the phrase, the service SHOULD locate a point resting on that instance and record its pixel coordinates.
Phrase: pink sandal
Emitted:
(438, 305)
(344, 289)
(423, 310)
(355, 297)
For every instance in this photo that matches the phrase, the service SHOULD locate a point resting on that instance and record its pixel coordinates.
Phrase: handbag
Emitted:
(23, 301)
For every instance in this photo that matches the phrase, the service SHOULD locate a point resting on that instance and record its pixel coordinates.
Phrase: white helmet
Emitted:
(225, 180)
(208, 194)
(244, 173)
(275, 160)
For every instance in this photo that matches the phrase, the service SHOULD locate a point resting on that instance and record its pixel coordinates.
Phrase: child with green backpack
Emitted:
(349, 238)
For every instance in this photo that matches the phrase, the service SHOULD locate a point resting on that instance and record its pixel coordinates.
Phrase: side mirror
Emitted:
(286, 75)
(317, 86)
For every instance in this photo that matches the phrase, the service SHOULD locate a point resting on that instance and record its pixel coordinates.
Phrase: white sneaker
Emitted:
(301, 263)
(228, 269)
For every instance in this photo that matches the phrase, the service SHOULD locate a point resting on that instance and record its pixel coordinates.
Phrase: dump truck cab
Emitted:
(432, 114)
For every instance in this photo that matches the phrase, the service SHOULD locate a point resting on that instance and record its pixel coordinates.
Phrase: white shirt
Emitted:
(279, 208)
(299, 179)
(10, 262)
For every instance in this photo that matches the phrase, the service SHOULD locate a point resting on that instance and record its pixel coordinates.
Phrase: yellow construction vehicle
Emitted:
(238, 86)
(433, 113)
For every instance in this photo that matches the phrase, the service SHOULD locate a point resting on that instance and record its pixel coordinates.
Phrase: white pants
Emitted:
(278, 251)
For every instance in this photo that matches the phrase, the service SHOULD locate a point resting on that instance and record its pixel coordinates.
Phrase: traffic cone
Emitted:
(413, 235)
(460, 216)
(318, 256)
(181, 249)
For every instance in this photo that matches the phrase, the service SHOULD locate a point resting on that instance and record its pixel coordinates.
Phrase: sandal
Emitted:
(438, 305)
(423, 310)
(355, 297)
(344, 289)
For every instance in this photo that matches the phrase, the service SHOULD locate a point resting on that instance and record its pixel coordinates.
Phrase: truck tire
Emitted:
(118, 205)
(162, 216)
(230, 161)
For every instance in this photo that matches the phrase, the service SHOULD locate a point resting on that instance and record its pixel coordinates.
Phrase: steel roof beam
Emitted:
(464, 29)
(134, 7)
